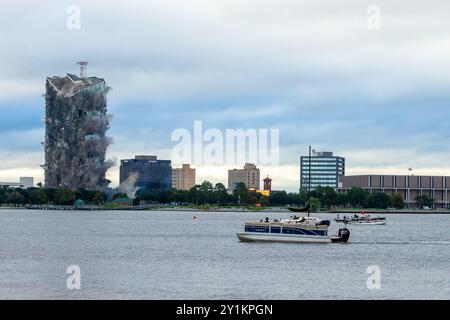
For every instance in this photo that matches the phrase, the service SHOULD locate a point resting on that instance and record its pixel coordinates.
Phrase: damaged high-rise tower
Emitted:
(76, 121)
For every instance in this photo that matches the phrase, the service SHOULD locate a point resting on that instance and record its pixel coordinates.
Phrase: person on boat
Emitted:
(267, 219)
(338, 216)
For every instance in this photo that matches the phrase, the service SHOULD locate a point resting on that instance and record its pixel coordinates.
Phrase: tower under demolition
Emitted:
(75, 143)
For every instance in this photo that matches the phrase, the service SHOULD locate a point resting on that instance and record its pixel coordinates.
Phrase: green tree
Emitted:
(424, 201)
(37, 196)
(264, 200)
(279, 198)
(317, 192)
(252, 197)
(85, 195)
(329, 197)
(220, 193)
(341, 199)
(295, 199)
(165, 196)
(303, 195)
(3, 192)
(181, 196)
(240, 193)
(379, 200)
(15, 198)
(194, 194)
(64, 196)
(356, 197)
(314, 204)
(51, 193)
(99, 198)
(397, 201)
(206, 189)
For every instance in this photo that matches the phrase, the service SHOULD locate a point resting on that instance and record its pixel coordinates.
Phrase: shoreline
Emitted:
(225, 209)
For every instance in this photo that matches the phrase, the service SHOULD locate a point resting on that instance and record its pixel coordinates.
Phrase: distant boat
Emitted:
(299, 209)
(364, 219)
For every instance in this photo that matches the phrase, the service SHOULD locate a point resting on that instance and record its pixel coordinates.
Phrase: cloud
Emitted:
(310, 68)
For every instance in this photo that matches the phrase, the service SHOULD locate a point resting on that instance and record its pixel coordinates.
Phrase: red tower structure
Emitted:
(268, 184)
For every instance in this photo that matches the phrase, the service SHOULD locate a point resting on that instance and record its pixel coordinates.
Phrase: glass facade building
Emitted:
(326, 170)
(146, 172)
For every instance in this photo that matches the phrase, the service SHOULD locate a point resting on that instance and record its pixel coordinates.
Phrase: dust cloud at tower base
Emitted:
(76, 121)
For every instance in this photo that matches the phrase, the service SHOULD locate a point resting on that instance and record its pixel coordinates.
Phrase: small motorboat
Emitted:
(364, 219)
(295, 229)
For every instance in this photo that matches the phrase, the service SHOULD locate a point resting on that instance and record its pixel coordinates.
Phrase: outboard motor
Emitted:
(344, 234)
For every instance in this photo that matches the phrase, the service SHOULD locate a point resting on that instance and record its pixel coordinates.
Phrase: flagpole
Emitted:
(309, 181)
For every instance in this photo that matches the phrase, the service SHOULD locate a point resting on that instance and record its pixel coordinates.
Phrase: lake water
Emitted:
(170, 255)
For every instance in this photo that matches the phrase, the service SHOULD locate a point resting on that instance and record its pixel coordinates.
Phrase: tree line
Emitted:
(56, 196)
(327, 197)
(217, 194)
(322, 197)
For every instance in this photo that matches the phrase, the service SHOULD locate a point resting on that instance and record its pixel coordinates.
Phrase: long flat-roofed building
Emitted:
(25, 182)
(437, 187)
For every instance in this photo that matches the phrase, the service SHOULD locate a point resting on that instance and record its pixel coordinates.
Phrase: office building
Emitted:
(325, 170)
(249, 175)
(183, 178)
(146, 172)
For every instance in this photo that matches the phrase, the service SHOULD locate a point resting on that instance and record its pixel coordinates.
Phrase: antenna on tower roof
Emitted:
(83, 68)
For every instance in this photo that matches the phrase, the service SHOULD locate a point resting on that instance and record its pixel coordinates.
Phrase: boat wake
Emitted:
(403, 242)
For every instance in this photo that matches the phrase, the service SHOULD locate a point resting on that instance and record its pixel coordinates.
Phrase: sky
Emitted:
(318, 71)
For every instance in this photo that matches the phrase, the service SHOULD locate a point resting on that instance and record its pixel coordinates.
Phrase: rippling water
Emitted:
(170, 255)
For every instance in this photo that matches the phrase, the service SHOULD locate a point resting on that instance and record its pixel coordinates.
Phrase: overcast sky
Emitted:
(313, 69)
